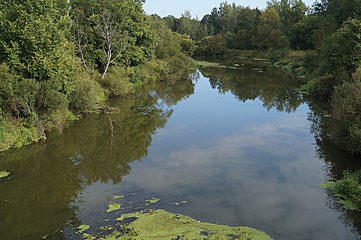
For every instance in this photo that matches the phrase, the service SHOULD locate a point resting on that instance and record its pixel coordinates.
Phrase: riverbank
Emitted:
(92, 94)
(296, 63)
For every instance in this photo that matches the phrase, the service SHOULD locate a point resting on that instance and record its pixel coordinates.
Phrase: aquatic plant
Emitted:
(113, 207)
(347, 190)
(4, 174)
(160, 224)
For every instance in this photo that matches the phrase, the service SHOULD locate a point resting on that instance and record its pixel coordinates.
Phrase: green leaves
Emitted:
(342, 51)
(34, 44)
(347, 190)
(111, 33)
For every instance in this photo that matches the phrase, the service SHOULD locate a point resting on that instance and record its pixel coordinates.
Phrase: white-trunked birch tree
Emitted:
(111, 32)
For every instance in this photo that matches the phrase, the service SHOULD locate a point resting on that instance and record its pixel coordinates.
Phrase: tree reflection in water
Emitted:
(274, 88)
(337, 160)
(49, 177)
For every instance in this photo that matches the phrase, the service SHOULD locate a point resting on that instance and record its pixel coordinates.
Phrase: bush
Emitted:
(346, 107)
(277, 54)
(117, 81)
(346, 100)
(87, 93)
(14, 134)
(27, 90)
(58, 118)
(49, 99)
(347, 190)
(178, 66)
(6, 88)
(149, 71)
(322, 87)
(311, 61)
(188, 45)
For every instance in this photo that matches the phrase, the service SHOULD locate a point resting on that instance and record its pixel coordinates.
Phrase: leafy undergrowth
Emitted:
(347, 190)
(14, 134)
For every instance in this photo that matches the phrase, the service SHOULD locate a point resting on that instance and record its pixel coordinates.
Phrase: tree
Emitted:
(34, 44)
(246, 27)
(228, 16)
(212, 46)
(341, 52)
(172, 22)
(111, 32)
(166, 42)
(344, 9)
(114, 39)
(214, 22)
(269, 33)
(290, 12)
(319, 7)
(189, 26)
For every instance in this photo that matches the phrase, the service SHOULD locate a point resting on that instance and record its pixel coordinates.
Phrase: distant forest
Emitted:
(328, 33)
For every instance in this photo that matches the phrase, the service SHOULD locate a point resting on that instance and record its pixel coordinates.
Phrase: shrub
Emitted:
(346, 100)
(14, 134)
(118, 80)
(311, 61)
(49, 99)
(277, 54)
(347, 190)
(346, 107)
(87, 93)
(188, 45)
(178, 66)
(149, 71)
(6, 88)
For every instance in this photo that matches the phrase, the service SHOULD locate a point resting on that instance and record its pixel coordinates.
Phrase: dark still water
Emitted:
(229, 146)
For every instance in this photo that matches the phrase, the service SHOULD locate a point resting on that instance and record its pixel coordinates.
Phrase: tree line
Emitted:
(328, 32)
(283, 24)
(59, 58)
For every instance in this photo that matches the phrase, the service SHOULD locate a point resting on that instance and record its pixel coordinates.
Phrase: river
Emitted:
(228, 146)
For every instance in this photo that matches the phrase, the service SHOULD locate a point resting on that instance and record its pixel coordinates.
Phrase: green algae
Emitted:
(113, 236)
(4, 174)
(118, 197)
(83, 228)
(87, 236)
(160, 224)
(152, 200)
(106, 228)
(113, 207)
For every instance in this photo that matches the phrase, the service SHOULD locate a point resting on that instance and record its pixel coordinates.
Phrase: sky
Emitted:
(198, 8)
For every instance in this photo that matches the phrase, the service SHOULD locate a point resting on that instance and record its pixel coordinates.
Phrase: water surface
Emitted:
(228, 146)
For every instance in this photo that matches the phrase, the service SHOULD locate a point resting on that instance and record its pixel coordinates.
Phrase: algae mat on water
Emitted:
(4, 174)
(160, 224)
